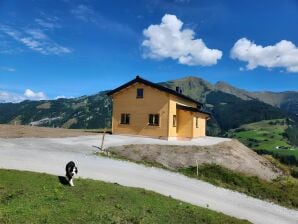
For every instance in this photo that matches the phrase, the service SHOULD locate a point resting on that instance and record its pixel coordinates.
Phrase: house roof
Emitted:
(192, 109)
(154, 85)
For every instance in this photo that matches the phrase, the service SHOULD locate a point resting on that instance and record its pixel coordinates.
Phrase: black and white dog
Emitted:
(71, 170)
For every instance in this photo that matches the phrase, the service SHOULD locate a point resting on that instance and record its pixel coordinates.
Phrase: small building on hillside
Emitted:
(141, 107)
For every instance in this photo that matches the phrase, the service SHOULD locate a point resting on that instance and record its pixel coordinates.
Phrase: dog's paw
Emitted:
(71, 183)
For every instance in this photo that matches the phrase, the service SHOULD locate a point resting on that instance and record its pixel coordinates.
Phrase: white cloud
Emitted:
(36, 40)
(9, 97)
(83, 12)
(283, 54)
(7, 69)
(37, 34)
(47, 23)
(60, 97)
(29, 94)
(169, 40)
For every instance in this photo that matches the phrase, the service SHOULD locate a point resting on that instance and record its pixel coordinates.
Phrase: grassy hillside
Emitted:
(83, 112)
(231, 112)
(268, 137)
(38, 198)
(283, 192)
(292, 134)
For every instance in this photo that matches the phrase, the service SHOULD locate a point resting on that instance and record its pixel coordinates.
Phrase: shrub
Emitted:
(294, 172)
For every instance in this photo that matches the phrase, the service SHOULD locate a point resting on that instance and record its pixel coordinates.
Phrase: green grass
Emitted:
(281, 191)
(265, 136)
(27, 197)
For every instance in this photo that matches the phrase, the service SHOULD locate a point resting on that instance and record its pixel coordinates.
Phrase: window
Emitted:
(197, 122)
(154, 119)
(140, 93)
(174, 121)
(124, 119)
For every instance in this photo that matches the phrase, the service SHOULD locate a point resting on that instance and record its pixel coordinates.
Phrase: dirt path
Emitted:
(25, 131)
(51, 155)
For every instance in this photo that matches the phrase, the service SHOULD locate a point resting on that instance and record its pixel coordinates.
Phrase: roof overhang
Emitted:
(191, 109)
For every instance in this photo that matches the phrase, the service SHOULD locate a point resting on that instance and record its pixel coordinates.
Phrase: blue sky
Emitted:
(72, 48)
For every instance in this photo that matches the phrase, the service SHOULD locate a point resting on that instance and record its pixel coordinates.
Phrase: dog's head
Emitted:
(74, 171)
(71, 169)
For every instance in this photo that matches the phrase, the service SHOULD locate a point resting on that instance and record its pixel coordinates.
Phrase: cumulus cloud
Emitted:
(169, 40)
(36, 40)
(34, 95)
(9, 97)
(283, 54)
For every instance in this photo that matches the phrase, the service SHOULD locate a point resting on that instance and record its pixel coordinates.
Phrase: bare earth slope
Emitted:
(230, 154)
(25, 131)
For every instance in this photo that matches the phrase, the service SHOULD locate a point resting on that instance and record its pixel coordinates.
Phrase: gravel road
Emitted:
(50, 156)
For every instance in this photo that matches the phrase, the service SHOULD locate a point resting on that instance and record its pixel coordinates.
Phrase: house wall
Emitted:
(154, 102)
(184, 124)
(201, 130)
(173, 111)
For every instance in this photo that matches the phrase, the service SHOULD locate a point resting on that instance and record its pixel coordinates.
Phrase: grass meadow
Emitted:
(28, 197)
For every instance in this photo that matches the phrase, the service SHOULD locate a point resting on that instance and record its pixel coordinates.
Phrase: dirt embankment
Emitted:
(24, 131)
(231, 154)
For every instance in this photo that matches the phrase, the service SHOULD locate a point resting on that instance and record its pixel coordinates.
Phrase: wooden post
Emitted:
(197, 167)
(102, 140)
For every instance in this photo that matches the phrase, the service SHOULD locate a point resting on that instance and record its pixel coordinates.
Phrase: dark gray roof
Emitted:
(154, 85)
(192, 109)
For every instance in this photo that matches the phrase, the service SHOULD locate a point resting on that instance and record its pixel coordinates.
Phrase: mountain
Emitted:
(287, 100)
(194, 87)
(198, 89)
(84, 112)
(231, 112)
(230, 107)
(227, 88)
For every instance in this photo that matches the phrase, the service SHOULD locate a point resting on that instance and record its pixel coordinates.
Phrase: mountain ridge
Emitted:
(287, 100)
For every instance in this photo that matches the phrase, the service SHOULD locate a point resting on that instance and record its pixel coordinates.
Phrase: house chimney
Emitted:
(177, 89)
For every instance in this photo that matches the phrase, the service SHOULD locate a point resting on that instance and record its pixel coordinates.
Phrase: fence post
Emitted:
(197, 167)
(102, 140)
